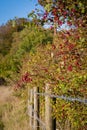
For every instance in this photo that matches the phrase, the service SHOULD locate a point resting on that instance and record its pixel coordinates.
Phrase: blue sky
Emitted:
(10, 9)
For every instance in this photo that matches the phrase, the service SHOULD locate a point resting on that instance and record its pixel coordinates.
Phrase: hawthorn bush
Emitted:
(63, 66)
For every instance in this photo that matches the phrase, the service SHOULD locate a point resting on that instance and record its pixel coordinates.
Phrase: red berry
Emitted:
(70, 68)
(53, 46)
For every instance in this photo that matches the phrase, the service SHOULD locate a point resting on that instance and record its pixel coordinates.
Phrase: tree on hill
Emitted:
(6, 33)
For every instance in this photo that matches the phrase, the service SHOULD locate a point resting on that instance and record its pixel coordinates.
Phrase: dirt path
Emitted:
(5, 94)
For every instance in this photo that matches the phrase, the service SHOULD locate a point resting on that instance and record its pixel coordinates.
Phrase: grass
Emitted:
(13, 113)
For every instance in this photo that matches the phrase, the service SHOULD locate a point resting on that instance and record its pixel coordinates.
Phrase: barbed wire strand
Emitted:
(64, 97)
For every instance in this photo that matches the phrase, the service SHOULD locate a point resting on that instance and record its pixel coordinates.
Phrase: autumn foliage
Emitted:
(37, 60)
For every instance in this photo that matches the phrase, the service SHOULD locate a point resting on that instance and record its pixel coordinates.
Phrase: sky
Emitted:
(9, 9)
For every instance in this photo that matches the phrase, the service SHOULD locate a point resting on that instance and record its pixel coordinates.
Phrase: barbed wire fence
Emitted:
(33, 108)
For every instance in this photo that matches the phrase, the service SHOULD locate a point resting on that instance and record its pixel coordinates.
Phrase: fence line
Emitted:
(64, 97)
(38, 119)
(33, 108)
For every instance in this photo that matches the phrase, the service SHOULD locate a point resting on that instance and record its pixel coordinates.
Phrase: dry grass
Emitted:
(13, 111)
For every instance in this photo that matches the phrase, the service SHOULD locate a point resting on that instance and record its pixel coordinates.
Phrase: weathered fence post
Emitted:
(36, 108)
(49, 121)
(31, 109)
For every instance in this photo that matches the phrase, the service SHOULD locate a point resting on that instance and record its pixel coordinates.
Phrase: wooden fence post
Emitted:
(36, 108)
(49, 121)
(31, 109)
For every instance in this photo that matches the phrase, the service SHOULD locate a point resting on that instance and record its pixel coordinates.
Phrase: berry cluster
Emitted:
(25, 78)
